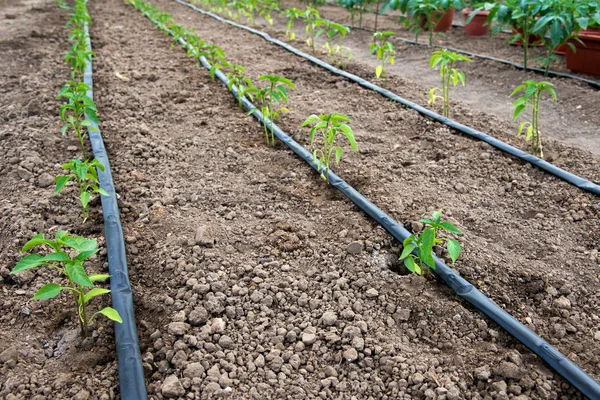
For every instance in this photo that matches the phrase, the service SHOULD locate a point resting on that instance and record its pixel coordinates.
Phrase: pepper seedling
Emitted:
(333, 29)
(423, 261)
(238, 77)
(67, 257)
(216, 57)
(384, 50)
(449, 74)
(330, 126)
(313, 21)
(533, 91)
(86, 176)
(292, 14)
(74, 111)
(275, 92)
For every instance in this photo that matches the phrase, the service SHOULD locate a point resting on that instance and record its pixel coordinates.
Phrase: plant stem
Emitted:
(376, 14)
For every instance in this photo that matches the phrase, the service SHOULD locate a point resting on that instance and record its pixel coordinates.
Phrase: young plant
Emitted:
(423, 261)
(74, 111)
(67, 256)
(275, 92)
(313, 22)
(533, 91)
(86, 176)
(333, 29)
(330, 126)
(267, 9)
(238, 77)
(249, 11)
(77, 58)
(292, 14)
(384, 50)
(216, 57)
(449, 74)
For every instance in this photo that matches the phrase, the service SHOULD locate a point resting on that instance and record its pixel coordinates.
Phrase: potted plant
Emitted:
(426, 15)
(583, 53)
(476, 23)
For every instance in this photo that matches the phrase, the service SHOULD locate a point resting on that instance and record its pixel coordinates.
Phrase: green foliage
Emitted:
(336, 50)
(67, 256)
(330, 126)
(450, 75)
(292, 14)
(237, 77)
(77, 58)
(86, 176)
(421, 262)
(531, 97)
(275, 92)
(216, 57)
(384, 50)
(354, 7)
(267, 8)
(73, 112)
(313, 21)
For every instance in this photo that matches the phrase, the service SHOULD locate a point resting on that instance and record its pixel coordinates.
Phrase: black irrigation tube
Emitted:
(129, 360)
(544, 165)
(554, 74)
(565, 367)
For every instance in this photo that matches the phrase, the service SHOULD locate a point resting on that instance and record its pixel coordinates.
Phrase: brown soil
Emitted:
(253, 279)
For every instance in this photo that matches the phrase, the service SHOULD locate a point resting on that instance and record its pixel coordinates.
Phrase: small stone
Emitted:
(309, 338)
(483, 373)
(205, 236)
(350, 354)
(226, 342)
(217, 326)
(329, 318)
(171, 387)
(372, 293)
(418, 378)
(500, 386)
(401, 315)
(194, 370)
(10, 354)
(597, 335)
(355, 247)
(460, 188)
(563, 302)
(198, 316)
(45, 180)
(509, 370)
(178, 328)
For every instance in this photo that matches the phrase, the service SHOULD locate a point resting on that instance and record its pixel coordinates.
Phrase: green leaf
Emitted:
(58, 256)
(28, 262)
(111, 314)
(453, 249)
(61, 181)
(311, 119)
(77, 274)
(37, 240)
(378, 71)
(408, 249)
(79, 243)
(102, 192)
(48, 291)
(85, 199)
(427, 240)
(93, 293)
(98, 277)
(450, 227)
(410, 264)
(338, 154)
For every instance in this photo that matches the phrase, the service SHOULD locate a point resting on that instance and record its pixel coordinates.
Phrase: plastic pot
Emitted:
(476, 26)
(443, 20)
(587, 57)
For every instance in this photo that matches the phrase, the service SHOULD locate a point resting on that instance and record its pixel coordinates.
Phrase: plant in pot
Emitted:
(425, 15)
(584, 54)
(476, 23)
(521, 15)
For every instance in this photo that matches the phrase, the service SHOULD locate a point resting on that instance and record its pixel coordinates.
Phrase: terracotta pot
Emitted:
(587, 57)
(537, 39)
(476, 27)
(443, 20)
(561, 50)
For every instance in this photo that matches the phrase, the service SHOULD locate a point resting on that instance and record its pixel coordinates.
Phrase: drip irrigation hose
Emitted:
(538, 162)
(129, 360)
(565, 367)
(554, 74)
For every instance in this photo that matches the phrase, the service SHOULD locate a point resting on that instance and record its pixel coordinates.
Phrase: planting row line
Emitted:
(416, 252)
(450, 76)
(67, 253)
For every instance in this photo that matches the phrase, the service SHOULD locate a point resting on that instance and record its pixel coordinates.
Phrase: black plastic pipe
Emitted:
(565, 367)
(538, 162)
(131, 372)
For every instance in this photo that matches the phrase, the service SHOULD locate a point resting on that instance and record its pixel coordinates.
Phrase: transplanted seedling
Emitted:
(216, 57)
(330, 126)
(313, 22)
(384, 50)
(423, 261)
(68, 253)
(238, 77)
(275, 92)
(74, 111)
(449, 74)
(336, 51)
(292, 14)
(86, 176)
(77, 58)
(533, 91)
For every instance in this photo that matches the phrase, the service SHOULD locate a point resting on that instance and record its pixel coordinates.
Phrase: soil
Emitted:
(251, 277)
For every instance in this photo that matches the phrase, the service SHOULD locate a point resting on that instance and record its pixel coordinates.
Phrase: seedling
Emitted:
(332, 30)
(250, 8)
(313, 21)
(77, 58)
(74, 111)
(238, 77)
(86, 176)
(330, 126)
(384, 50)
(292, 15)
(449, 74)
(533, 91)
(67, 256)
(267, 9)
(275, 92)
(216, 57)
(423, 261)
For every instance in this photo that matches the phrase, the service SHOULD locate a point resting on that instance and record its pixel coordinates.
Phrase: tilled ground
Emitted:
(253, 279)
